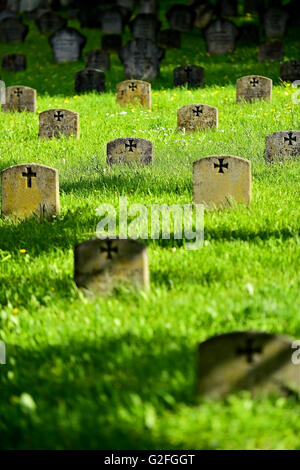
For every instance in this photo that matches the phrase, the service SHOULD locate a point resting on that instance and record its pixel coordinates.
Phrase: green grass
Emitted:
(119, 372)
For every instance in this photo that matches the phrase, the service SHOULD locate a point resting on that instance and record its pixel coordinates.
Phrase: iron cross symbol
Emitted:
(132, 86)
(58, 116)
(254, 82)
(18, 92)
(108, 249)
(221, 165)
(290, 139)
(130, 145)
(197, 111)
(249, 350)
(188, 70)
(29, 175)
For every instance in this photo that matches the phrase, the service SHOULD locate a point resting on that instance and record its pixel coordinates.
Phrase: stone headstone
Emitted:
(103, 265)
(145, 26)
(28, 5)
(97, 59)
(147, 6)
(194, 117)
(111, 42)
(220, 178)
(220, 37)
(170, 39)
(141, 59)
(249, 33)
(89, 80)
(275, 22)
(111, 21)
(57, 122)
(290, 70)
(282, 146)
(12, 30)
(28, 190)
(247, 360)
(67, 44)
(133, 92)
(203, 14)
(253, 87)
(14, 62)
(192, 75)
(20, 98)
(129, 150)
(49, 22)
(181, 17)
(270, 50)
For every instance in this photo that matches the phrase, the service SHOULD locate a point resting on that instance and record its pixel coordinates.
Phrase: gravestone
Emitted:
(220, 37)
(129, 150)
(133, 92)
(275, 22)
(170, 39)
(290, 70)
(141, 59)
(67, 44)
(111, 21)
(111, 42)
(57, 122)
(145, 26)
(49, 22)
(14, 62)
(89, 80)
(181, 17)
(97, 59)
(100, 266)
(247, 360)
(203, 14)
(194, 117)
(253, 87)
(270, 50)
(249, 33)
(282, 146)
(192, 75)
(147, 6)
(12, 30)
(28, 190)
(20, 98)
(220, 178)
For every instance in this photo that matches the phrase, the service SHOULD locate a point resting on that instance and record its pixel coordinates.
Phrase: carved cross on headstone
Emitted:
(249, 350)
(132, 86)
(131, 145)
(290, 139)
(254, 82)
(221, 165)
(30, 174)
(108, 249)
(58, 116)
(197, 111)
(188, 70)
(18, 92)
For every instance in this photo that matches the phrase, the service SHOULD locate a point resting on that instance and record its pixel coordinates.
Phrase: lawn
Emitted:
(119, 372)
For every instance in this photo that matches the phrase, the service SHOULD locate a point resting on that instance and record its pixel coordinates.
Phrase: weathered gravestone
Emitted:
(249, 33)
(129, 150)
(49, 22)
(194, 117)
(134, 91)
(141, 59)
(147, 6)
(67, 44)
(111, 21)
(28, 190)
(89, 80)
(12, 30)
(272, 49)
(102, 265)
(181, 17)
(275, 22)
(247, 360)
(145, 26)
(220, 178)
(253, 87)
(282, 146)
(192, 75)
(20, 98)
(290, 70)
(220, 37)
(170, 38)
(97, 59)
(57, 122)
(111, 42)
(14, 62)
